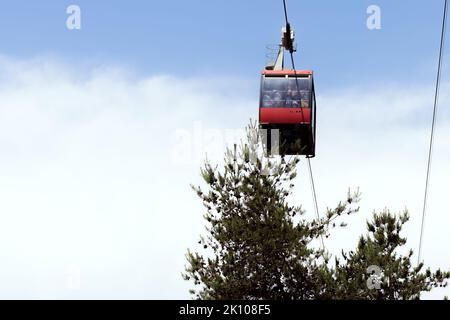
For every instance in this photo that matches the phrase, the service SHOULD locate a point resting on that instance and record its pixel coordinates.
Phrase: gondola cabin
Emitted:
(288, 109)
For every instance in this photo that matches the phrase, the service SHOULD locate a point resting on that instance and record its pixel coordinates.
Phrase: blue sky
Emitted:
(102, 128)
(229, 37)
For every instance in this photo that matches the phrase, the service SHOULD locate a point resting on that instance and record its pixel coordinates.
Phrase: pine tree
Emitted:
(376, 270)
(258, 246)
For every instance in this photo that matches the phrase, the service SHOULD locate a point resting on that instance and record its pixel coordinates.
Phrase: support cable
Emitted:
(433, 128)
(311, 176)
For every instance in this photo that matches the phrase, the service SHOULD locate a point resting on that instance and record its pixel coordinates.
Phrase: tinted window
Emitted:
(274, 92)
(286, 92)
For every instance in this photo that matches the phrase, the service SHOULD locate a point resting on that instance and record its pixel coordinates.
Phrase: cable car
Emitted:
(288, 106)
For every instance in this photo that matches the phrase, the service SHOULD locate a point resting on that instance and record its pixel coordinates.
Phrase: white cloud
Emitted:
(90, 181)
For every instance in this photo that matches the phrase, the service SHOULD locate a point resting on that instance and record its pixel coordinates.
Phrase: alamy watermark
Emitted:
(73, 277)
(193, 146)
(374, 19)
(73, 21)
(375, 277)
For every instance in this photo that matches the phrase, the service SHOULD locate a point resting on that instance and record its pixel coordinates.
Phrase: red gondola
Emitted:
(288, 107)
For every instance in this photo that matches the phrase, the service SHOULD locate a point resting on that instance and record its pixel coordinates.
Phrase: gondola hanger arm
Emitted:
(287, 43)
